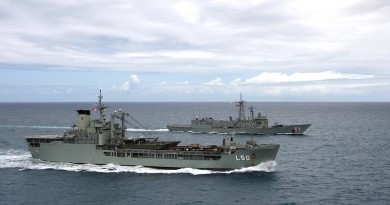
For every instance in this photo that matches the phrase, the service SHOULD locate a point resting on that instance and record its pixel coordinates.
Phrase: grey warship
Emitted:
(98, 141)
(241, 125)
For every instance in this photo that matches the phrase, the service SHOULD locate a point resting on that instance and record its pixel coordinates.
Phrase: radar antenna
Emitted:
(101, 107)
(241, 112)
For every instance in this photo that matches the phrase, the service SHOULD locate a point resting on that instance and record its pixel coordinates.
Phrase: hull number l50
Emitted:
(243, 157)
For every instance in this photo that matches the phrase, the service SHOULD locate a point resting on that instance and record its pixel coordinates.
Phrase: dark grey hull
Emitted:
(282, 129)
(88, 154)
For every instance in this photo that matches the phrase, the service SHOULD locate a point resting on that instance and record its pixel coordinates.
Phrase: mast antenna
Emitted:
(101, 106)
(241, 112)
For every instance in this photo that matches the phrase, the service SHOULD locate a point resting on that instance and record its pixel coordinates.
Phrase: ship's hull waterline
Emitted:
(59, 151)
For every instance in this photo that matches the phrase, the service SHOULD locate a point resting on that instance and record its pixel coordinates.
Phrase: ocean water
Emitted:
(343, 158)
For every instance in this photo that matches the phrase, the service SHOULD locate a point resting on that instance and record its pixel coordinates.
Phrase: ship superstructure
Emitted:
(98, 141)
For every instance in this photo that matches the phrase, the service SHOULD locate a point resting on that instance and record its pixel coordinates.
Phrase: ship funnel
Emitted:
(84, 119)
(230, 142)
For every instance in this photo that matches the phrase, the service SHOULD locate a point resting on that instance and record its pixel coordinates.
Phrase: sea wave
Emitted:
(34, 127)
(22, 159)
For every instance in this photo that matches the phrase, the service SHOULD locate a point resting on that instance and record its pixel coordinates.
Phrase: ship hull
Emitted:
(60, 151)
(283, 129)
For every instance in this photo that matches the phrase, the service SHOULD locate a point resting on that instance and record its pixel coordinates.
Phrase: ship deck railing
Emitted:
(181, 152)
(43, 138)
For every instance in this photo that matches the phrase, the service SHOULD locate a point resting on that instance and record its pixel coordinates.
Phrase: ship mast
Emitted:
(252, 113)
(241, 112)
(101, 107)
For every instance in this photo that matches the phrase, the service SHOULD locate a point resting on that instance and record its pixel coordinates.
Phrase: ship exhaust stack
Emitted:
(230, 142)
(84, 119)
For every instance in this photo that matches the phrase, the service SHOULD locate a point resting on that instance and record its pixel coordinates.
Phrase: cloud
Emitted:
(263, 46)
(323, 89)
(188, 11)
(309, 85)
(128, 85)
(236, 81)
(309, 90)
(216, 81)
(48, 91)
(268, 36)
(187, 54)
(267, 77)
(184, 83)
(53, 90)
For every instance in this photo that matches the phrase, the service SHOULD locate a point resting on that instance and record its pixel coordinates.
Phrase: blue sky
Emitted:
(159, 51)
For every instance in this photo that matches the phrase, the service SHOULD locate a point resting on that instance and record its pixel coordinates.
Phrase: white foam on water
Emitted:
(195, 132)
(22, 159)
(146, 130)
(13, 158)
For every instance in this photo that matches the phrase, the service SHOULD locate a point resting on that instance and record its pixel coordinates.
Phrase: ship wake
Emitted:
(146, 130)
(22, 160)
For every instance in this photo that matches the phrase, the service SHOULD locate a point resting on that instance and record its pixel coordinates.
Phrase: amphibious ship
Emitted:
(241, 125)
(99, 141)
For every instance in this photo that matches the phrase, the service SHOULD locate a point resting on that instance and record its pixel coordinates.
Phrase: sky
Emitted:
(195, 51)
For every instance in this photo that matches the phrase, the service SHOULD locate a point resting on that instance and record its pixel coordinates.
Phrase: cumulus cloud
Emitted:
(288, 90)
(322, 89)
(236, 81)
(129, 84)
(216, 81)
(267, 77)
(327, 83)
